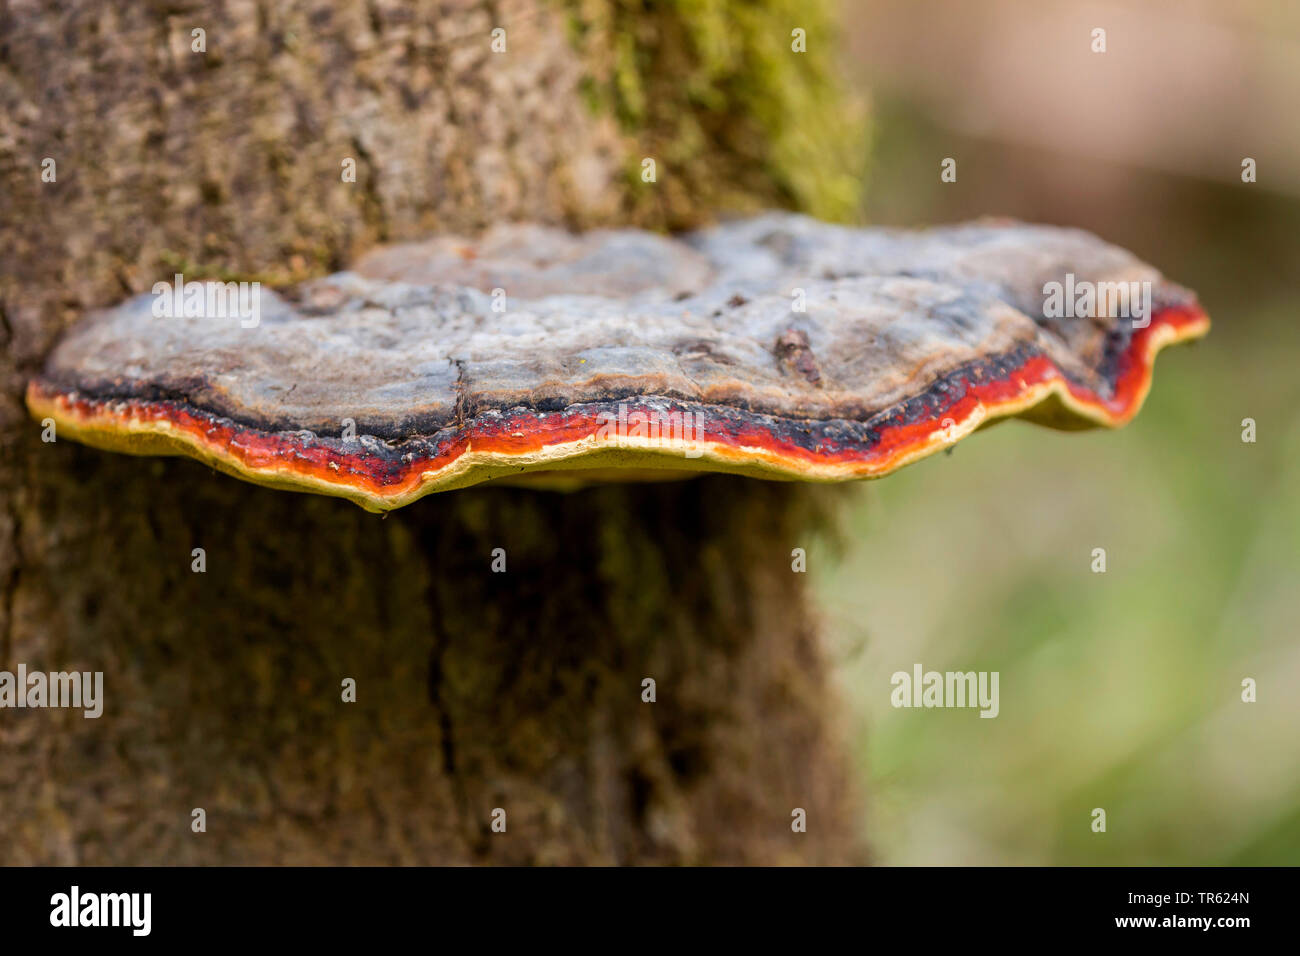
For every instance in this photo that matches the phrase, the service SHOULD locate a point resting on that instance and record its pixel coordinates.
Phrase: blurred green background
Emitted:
(1119, 690)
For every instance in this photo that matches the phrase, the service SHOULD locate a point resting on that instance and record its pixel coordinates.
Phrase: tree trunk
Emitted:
(476, 689)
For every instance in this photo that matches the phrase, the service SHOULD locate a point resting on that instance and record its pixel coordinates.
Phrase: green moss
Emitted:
(733, 117)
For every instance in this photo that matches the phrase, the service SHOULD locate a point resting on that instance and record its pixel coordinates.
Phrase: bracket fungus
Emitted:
(777, 347)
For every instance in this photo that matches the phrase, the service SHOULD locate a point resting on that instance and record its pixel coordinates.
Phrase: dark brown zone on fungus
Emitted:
(1119, 335)
(389, 447)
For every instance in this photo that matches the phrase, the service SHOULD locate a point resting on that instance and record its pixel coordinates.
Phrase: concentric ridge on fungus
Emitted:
(777, 347)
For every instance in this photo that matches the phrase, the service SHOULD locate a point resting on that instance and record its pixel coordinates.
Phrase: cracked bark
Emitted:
(223, 688)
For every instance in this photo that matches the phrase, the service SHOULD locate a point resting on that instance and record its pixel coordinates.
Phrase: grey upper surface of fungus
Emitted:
(780, 315)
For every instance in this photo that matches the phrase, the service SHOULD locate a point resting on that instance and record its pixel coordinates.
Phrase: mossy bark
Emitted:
(476, 690)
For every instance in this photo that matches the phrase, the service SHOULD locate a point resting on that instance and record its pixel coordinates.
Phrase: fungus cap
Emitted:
(777, 347)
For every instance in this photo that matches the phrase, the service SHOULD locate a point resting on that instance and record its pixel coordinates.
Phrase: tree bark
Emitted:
(476, 689)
